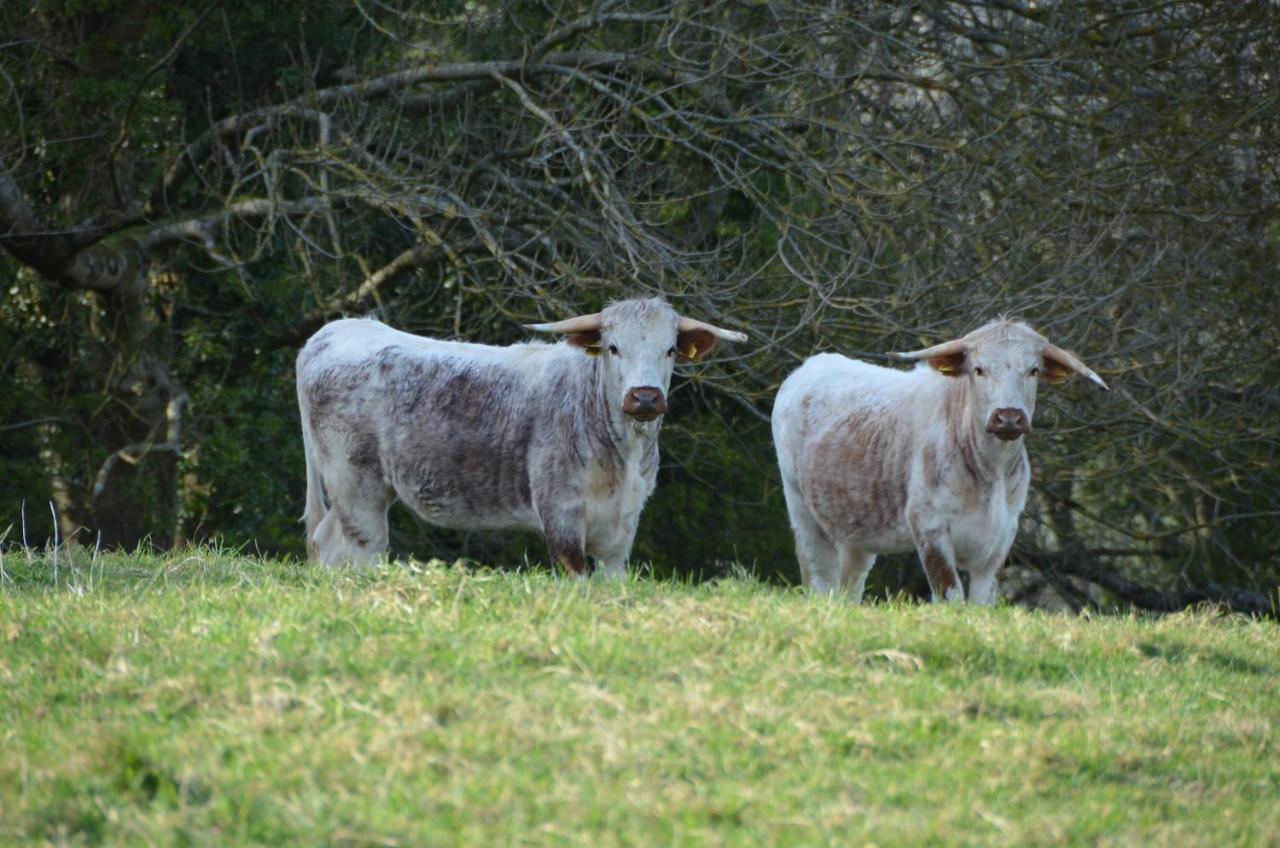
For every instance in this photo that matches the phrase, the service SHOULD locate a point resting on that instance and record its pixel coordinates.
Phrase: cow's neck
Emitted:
(985, 457)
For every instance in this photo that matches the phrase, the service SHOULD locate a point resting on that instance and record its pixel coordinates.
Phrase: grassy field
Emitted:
(205, 697)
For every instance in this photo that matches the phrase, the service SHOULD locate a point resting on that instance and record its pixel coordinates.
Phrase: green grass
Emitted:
(206, 697)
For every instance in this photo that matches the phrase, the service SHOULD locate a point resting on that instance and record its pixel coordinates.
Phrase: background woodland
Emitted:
(189, 190)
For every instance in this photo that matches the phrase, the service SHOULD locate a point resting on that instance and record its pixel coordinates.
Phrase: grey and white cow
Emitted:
(878, 461)
(561, 438)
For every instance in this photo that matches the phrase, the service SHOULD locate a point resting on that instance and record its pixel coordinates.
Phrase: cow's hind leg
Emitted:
(353, 535)
(354, 530)
(814, 550)
(855, 564)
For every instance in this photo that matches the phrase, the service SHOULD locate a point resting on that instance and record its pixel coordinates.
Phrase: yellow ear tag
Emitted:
(592, 351)
(692, 353)
(944, 365)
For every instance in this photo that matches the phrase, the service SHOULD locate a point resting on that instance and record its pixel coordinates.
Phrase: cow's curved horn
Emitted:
(1069, 359)
(945, 349)
(580, 324)
(684, 325)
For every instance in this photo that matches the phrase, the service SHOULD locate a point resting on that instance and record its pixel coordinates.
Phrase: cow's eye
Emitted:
(671, 351)
(613, 349)
(1035, 372)
(981, 372)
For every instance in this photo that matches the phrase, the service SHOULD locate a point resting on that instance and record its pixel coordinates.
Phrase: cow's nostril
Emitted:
(1008, 422)
(645, 403)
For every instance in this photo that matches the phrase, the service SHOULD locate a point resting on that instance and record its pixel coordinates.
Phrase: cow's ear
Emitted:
(588, 340)
(948, 358)
(950, 364)
(692, 345)
(1055, 371)
(1060, 365)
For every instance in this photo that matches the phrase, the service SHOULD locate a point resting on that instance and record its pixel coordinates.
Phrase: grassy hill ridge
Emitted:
(207, 697)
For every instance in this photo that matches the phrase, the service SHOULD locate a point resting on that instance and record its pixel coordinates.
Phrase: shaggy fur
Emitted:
(475, 436)
(876, 460)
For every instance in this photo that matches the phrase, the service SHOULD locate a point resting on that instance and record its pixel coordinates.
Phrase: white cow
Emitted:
(559, 438)
(878, 461)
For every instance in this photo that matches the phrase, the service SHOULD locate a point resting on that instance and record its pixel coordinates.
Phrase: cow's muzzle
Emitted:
(644, 404)
(1008, 424)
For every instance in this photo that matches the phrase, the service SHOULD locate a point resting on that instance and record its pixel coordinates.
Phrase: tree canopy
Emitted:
(187, 192)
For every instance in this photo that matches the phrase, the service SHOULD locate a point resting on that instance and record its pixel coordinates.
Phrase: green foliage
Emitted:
(715, 506)
(249, 460)
(163, 699)
(857, 178)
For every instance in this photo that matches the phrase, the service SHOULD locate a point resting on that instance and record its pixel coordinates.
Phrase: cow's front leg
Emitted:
(982, 585)
(939, 560)
(983, 572)
(940, 566)
(982, 577)
(612, 565)
(565, 533)
(612, 547)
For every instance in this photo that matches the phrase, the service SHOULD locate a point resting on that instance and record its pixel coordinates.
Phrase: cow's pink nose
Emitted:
(1008, 423)
(645, 403)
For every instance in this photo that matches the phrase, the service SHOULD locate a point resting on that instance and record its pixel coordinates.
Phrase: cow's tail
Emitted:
(315, 509)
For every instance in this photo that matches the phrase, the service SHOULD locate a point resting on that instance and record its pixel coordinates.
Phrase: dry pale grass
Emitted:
(211, 698)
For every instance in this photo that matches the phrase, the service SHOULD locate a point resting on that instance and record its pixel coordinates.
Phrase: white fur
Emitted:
(966, 517)
(476, 436)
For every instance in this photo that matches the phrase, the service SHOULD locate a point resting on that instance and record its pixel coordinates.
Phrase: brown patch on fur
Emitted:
(855, 469)
(328, 392)
(572, 561)
(388, 359)
(468, 449)
(942, 575)
(318, 345)
(933, 469)
(364, 451)
(351, 532)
